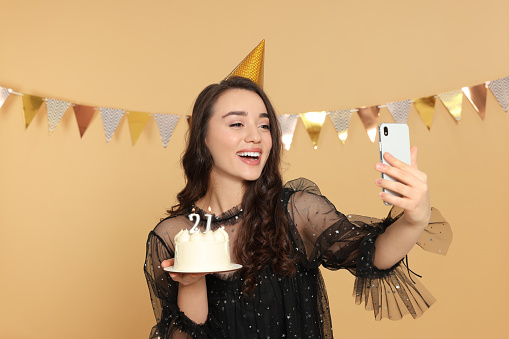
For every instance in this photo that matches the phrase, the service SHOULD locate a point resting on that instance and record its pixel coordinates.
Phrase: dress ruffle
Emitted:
(392, 293)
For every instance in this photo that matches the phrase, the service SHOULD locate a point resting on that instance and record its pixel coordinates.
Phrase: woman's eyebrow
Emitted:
(242, 113)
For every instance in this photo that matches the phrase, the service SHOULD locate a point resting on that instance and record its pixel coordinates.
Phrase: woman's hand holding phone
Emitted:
(411, 184)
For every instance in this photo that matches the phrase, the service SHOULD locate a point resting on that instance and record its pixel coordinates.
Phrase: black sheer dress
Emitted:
(297, 306)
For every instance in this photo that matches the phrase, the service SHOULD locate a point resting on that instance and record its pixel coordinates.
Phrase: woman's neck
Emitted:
(223, 193)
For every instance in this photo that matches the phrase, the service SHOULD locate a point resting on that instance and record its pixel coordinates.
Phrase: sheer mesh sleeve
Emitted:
(171, 322)
(324, 236)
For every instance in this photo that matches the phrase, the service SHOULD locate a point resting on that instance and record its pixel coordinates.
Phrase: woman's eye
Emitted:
(267, 127)
(238, 124)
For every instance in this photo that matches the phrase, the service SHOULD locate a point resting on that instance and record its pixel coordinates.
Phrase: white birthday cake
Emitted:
(202, 252)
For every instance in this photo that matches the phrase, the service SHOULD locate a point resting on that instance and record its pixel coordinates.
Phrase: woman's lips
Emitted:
(250, 157)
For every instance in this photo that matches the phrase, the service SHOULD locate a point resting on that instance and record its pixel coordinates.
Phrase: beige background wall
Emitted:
(75, 213)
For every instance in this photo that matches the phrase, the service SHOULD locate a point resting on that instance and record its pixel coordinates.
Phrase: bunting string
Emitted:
(312, 121)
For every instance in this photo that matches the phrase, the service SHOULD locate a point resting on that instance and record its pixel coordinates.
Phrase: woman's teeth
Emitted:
(255, 155)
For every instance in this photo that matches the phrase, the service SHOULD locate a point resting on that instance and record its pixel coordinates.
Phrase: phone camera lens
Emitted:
(386, 131)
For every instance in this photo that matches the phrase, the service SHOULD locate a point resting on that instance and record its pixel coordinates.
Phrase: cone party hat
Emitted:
(252, 65)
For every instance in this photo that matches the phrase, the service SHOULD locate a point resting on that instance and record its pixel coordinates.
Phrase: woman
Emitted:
(280, 234)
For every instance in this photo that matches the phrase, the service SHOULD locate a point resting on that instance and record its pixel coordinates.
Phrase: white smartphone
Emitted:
(395, 139)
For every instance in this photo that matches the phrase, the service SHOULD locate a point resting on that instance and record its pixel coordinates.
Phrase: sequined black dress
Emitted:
(294, 307)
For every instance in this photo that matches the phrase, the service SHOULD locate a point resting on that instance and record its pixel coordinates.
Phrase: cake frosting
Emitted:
(202, 252)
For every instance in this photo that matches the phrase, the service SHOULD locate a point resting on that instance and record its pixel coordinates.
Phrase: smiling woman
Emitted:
(239, 129)
(280, 234)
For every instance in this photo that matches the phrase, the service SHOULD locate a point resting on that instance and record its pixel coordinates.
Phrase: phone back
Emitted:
(395, 139)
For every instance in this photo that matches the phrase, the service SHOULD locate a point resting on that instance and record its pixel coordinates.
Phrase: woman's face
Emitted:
(238, 135)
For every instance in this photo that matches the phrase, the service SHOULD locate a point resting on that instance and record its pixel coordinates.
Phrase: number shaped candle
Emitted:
(191, 217)
(209, 220)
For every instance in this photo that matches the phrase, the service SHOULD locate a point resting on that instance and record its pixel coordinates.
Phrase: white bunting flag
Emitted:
(288, 123)
(4, 93)
(166, 124)
(500, 89)
(56, 110)
(341, 121)
(399, 110)
(111, 118)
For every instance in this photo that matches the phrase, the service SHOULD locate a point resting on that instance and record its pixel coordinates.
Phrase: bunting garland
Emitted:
(399, 110)
(313, 121)
(500, 89)
(341, 121)
(166, 124)
(137, 121)
(31, 105)
(111, 118)
(369, 117)
(477, 97)
(287, 123)
(84, 115)
(4, 93)
(56, 110)
(426, 108)
(452, 101)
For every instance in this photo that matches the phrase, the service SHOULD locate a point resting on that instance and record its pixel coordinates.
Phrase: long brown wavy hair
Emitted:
(263, 238)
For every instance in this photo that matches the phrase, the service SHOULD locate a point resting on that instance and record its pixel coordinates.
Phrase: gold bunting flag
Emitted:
(84, 115)
(31, 105)
(137, 121)
(426, 108)
(452, 101)
(252, 65)
(313, 122)
(477, 97)
(369, 118)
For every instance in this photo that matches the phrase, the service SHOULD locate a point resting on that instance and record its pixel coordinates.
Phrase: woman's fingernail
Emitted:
(379, 166)
(378, 182)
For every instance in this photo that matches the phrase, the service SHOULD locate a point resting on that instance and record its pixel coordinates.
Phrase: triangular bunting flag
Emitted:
(137, 121)
(84, 115)
(166, 124)
(288, 123)
(399, 110)
(56, 110)
(452, 101)
(31, 105)
(369, 118)
(4, 93)
(252, 65)
(477, 97)
(500, 89)
(426, 108)
(313, 121)
(111, 118)
(341, 121)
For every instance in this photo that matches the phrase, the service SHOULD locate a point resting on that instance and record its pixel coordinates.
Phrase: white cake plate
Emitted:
(233, 268)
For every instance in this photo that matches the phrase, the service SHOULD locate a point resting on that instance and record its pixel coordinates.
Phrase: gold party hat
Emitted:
(252, 65)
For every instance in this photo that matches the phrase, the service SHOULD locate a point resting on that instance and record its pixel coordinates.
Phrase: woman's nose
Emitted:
(253, 134)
